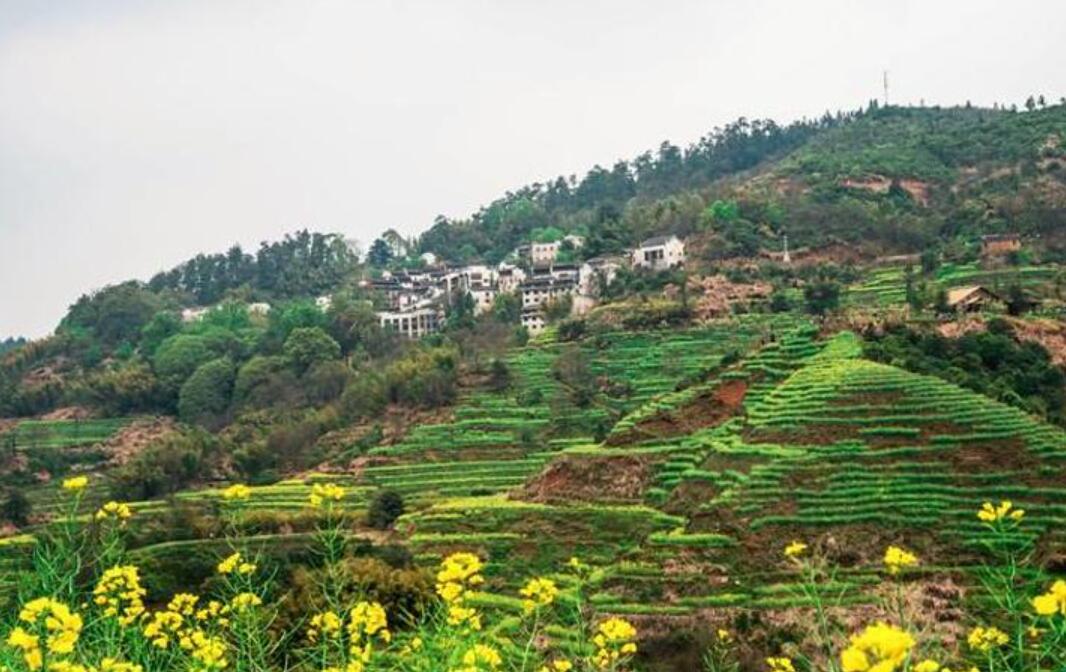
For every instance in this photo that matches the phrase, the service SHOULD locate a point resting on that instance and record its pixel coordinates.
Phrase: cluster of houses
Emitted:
(416, 299)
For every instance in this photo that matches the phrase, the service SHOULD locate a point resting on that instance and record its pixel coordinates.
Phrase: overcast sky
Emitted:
(136, 134)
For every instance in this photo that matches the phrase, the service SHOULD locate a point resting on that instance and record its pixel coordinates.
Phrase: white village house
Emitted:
(659, 253)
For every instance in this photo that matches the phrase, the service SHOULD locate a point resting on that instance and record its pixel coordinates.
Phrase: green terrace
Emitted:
(36, 434)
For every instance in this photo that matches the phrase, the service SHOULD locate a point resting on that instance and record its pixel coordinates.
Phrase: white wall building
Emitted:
(542, 254)
(538, 292)
(261, 309)
(324, 302)
(659, 253)
(597, 273)
(411, 324)
(508, 277)
(193, 314)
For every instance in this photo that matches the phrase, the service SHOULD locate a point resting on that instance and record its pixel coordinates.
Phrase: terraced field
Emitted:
(34, 434)
(708, 465)
(886, 286)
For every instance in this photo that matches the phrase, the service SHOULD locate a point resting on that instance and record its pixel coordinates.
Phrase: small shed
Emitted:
(1000, 243)
(971, 299)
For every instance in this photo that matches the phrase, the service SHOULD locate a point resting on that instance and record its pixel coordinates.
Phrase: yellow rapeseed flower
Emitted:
(326, 623)
(927, 665)
(879, 648)
(76, 483)
(237, 492)
(325, 493)
(780, 664)
(1005, 510)
(244, 601)
(557, 665)
(539, 593)
(366, 620)
(61, 626)
(482, 657)
(236, 564)
(614, 640)
(120, 594)
(795, 549)
(898, 559)
(724, 635)
(117, 511)
(1053, 601)
(983, 639)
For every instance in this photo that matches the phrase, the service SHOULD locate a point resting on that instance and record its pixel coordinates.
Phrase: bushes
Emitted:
(165, 466)
(992, 363)
(385, 508)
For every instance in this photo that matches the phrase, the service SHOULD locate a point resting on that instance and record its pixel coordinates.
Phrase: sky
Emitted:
(136, 134)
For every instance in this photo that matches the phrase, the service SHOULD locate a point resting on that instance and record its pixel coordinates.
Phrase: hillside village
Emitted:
(768, 399)
(417, 299)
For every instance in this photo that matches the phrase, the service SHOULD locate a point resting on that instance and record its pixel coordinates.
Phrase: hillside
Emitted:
(695, 466)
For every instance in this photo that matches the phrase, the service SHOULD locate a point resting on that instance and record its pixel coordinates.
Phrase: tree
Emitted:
(178, 357)
(114, 314)
(385, 508)
(499, 376)
(822, 296)
(930, 260)
(779, 301)
(307, 346)
(162, 326)
(206, 394)
(1030, 103)
(507, 308)
(380, 254)
(264, 381)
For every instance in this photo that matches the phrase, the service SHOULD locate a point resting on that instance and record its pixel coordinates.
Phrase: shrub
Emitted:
(165, 466)
(16, 508)
(385, 508)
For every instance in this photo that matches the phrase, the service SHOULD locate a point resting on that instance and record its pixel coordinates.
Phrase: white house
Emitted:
(260, 309)
(324, 302)
(533, 320)
(411, 324)
(193, 314)
(483, 298)
(542, 254)
(508, 277)
(597, 273)
(538, 292)
(429, 259)
(659, 253)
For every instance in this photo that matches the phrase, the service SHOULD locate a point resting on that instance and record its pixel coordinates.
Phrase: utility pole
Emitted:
(884, 77)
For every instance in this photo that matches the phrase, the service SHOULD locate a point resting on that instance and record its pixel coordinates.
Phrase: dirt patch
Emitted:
(879, 184)
(717, 295)
(1051, 334)
(612, 478)
(68, 413)
(135, 437)
(709, 409)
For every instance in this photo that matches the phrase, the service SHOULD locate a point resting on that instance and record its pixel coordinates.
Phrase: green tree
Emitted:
(162, 326)
(507, 307)
(178, 357)
(307, 346)
(821, 296)
(379, 254)
(205, 396)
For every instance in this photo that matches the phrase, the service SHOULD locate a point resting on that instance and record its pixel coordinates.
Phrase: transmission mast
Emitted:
(884, 78)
